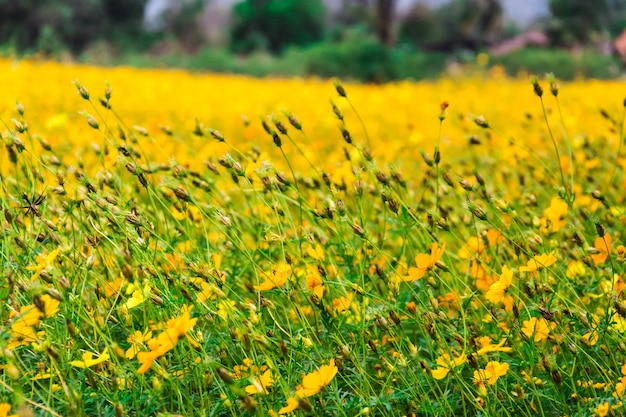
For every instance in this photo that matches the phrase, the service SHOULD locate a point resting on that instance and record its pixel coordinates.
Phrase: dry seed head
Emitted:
(336, 110)
(465, 185)
(481, 122)
(554, 87)
(346, 135)
(217, 135)
(93, 122)
(597, 194)
(428, 159)
(358, 230)
(20, 108)
(182, 193)
(600, 230)
(281, 127)
(266, 127)
(340, 90)
(82, 91)
(536, 86)
(293, 120)
(277, 141)
(105, 103)
(382, 178)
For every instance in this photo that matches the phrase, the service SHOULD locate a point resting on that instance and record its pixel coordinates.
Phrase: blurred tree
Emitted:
(575, 21)
(66, 24)
(377, 15)
(461, 24)
(384, 20)
(275, 24)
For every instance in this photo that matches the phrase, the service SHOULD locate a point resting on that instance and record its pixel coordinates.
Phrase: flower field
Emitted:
(177, 244)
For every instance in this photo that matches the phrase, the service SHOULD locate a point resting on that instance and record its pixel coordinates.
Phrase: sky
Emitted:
(522, 12)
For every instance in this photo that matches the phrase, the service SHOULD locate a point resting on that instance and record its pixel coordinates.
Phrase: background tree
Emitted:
(575, 21)
(275, 24)
(58, 24)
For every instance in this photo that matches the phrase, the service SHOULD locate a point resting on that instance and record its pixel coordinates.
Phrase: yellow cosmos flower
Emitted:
(4, 410)
(291, 406)
(487, 347)
(167, 340)
(314, 382)
(316, 252)
(538, 262)
(553, 218)
(261, 384)
(498, 288)
(275, 278)
(425, 262)
(87, 360)
(43, 262)
(446, 364)
(50, 305)
(137, 341)
(536, 329)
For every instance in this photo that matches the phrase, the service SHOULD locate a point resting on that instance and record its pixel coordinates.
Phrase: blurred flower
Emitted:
(87, 360)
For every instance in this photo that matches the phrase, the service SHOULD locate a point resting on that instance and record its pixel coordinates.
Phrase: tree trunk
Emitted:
(384, 20)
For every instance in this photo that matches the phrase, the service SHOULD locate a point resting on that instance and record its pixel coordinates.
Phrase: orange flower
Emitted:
(425, 262)
(603, 245)
(166, 340)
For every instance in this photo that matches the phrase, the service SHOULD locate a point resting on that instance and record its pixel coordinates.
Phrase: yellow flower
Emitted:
(50, 305)
(487, 347)
(275, 278)
(4, 410)
(316, 253)
(538, 262)
(553, 218)
(341, 304)
(603, 409)
(139, 295)
(314, 282)
(261, 384)
(495, 370)
(167, 339)
(536, 329)
(43, 262)
(292, 404)
(446, 364)
(314, 382)
(425, 262)
(137, 341)
(89, 361)
(498, 288)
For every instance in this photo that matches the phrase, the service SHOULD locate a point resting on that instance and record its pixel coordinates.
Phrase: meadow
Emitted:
(178, 244)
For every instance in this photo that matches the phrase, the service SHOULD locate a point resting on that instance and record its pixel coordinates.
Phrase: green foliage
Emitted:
(275, 24)
(574, 21)
(541, 61)
(363, 58)
(52, 26)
